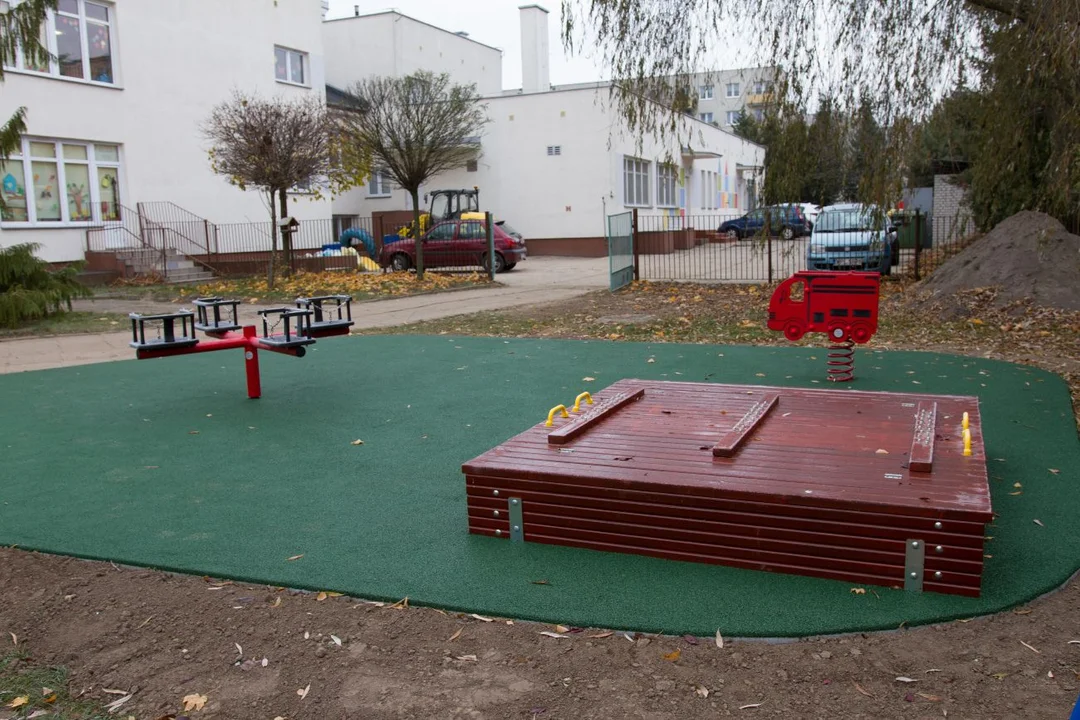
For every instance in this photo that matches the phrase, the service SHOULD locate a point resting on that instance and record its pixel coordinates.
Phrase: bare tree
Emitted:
(273, 145)
(414, 128)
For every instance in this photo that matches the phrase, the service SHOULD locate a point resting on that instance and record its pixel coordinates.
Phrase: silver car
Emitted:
(850, 237)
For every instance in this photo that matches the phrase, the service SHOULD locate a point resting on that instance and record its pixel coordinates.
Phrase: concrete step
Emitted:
(189, 276)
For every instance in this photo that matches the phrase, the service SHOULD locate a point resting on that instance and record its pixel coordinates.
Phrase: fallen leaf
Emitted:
(1038, 522)
(759, 374)
(1054, 470)
(931, 698)
(194, 702)
(650, 360)
(548, 633)
(336, 640)
(294, 557)
(1050, 674)
(265, 662)
(114, 692)
(357, 442)
(751, 705)
(905, 679)
(19, 701)
(539, 582)
(1017, 485)
(401, 604)
(330, 593)
(481, 618)
(277, 602)
(1018, 492)
(932, 670)
(1073, 642)
(1029, 647)
(467, 658)
(881, 451)
(862, 690)
(858, 591)
(49, 691)
(601, 636)
(702, 691)
(239, 650)
(456, 635)
(303, 692)
(14, 638)
(306, 635)
(562, 629)
(587, 379)
(1026, 611)
(673, 655)
(320, 597)
(1001, 676)
(690, 639)
(50, 699)
(719, 640)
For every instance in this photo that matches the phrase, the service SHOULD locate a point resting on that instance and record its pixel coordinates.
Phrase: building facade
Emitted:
(723, 95)
(115, 120)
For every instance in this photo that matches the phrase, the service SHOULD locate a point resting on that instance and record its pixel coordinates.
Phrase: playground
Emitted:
(346, 476)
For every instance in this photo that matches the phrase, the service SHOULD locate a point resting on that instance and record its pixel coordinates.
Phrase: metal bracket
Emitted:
(914, 557)
(517, 527)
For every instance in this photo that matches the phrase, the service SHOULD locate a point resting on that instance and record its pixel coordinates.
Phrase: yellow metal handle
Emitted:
(577, 401)
(967, 442)
(551, 415)
(965, 423)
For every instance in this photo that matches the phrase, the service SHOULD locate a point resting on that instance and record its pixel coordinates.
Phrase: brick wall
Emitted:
(952, 215)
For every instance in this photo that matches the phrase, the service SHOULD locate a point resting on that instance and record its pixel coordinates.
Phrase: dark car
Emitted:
(456, 243)
(785, 221)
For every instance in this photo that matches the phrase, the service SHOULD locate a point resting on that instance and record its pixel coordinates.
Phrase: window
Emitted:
(554, 149)
(759, 114)
(733, 116)
(79, 34)
(733, 90)
(761, 87)
(635, 181)
(472, 231)
(706, 92)
(290, 66)
(706, 117)
(68, 182)
(379, 184)
(708, 190)
(445, 231)
(665, 184)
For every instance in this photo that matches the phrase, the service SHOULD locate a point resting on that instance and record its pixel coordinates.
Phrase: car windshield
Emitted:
(844, 221)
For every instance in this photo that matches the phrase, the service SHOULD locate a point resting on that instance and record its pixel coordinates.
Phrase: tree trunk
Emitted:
(273, 244)
(415, 192)
(286, 237)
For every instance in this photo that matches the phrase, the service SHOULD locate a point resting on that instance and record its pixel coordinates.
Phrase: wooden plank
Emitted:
(732, 440)
(605, 408)
(922, 439)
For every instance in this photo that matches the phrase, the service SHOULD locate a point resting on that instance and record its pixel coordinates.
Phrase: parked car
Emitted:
(851, 237)
(786, 221)
(892, 226)
(810, 211)
(456, 243)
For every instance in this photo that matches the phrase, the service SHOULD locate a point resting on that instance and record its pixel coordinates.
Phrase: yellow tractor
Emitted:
(447, 205)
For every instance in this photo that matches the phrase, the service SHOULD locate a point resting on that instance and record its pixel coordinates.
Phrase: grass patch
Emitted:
(27, 688)
(361, 286)
(69, 323)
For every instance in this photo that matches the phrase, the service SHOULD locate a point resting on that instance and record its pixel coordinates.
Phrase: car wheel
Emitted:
(510, 266)
(732, 234)
(400, 262)
(787, 233)
(793, 331)
(500, 263)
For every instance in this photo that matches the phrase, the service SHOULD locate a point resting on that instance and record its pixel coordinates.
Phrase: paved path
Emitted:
(536, 281)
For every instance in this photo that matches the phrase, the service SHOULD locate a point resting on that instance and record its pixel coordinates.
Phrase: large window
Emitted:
(635, 182)
(80, 36)
(379, 184)
(706, 92)
(706, 117)
(290, 66)
(733, 90)
(49, 182)
(665, 184)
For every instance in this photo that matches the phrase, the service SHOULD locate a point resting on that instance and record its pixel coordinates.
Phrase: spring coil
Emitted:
(841, 361)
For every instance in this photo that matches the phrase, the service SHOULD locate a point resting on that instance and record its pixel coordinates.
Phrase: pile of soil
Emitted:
(1027, 257)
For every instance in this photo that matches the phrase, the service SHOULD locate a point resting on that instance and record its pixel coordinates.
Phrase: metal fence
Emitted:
(691, 248)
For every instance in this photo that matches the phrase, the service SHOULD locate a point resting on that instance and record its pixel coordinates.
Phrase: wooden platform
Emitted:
(858, 486)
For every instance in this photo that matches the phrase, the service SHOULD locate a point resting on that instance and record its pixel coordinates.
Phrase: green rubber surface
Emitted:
(166, 463)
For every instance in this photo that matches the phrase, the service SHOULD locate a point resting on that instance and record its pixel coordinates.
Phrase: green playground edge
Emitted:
(168, 464)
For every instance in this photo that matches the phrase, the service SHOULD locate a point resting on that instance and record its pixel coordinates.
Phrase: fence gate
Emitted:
(620, 242)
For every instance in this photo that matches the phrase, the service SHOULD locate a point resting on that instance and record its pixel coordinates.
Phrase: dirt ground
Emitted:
(260, 652)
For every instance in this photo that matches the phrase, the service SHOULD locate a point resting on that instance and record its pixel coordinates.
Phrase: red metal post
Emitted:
(251, 363)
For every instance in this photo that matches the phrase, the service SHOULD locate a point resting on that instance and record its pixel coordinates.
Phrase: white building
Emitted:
(557, 160)
(115, 121)
(724, 95)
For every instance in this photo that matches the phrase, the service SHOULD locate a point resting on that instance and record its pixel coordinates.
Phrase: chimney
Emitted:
(325, 8)
(535, 64)
(356, 10)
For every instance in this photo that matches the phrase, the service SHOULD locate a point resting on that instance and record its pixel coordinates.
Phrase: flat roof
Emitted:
(420, 22)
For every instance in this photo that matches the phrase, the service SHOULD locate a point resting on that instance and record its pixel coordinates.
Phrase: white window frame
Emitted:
(733, 116)
(759, 87)
(706, 117)
(61, 181)
(666, 176)
(292, 55)
(49, 29)
(705, 92)
(554, 150)
(378, 185)
(636, 190)
(732, 90)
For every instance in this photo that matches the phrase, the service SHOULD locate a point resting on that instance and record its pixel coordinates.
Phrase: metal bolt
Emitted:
(914, 543)
(518, 527)
(937, 525)
(938, 575)
(914, 574)
(498, 533)
(496, 513)
(939, 549)
(495, 493)
(514, 501)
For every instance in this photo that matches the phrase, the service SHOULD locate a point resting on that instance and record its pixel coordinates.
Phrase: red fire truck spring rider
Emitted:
(843, 305)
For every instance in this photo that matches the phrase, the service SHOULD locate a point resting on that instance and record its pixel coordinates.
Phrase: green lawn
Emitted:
(69, 323)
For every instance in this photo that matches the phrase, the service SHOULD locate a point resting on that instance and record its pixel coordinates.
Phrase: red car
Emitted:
(456, 243)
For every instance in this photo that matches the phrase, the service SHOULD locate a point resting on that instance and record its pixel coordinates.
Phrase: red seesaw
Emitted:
(311, 319)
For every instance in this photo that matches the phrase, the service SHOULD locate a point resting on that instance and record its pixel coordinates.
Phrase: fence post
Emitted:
(634, 244)
(918, 240)
(489, 228)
